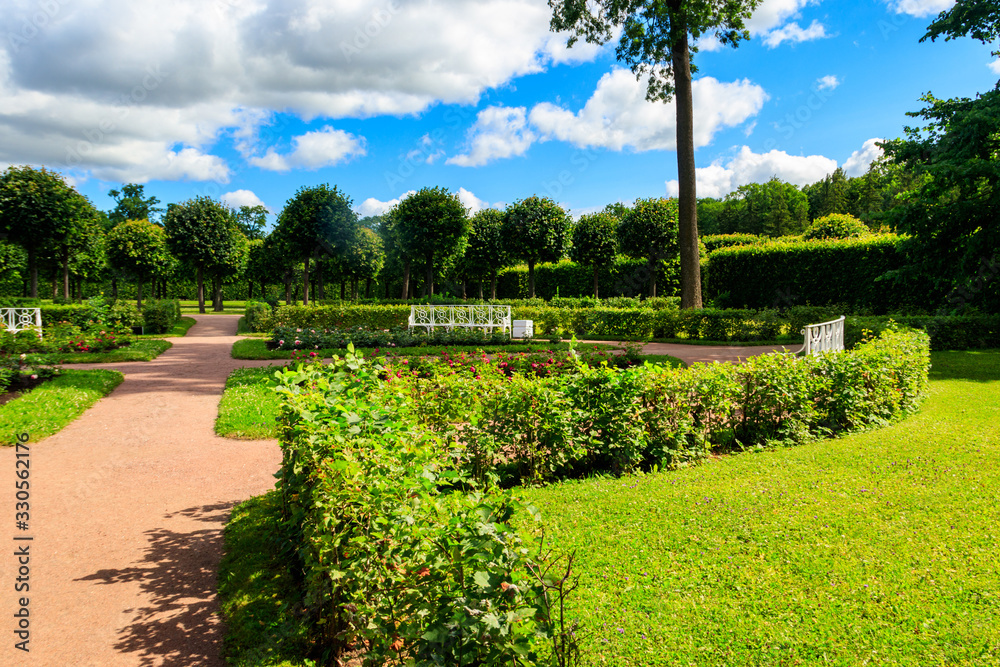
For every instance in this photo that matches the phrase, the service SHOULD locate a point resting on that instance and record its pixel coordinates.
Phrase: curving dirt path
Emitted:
(127, 509)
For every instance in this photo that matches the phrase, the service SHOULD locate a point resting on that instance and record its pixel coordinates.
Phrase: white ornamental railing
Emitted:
(470, 317)
(824, 337)
(19, 319)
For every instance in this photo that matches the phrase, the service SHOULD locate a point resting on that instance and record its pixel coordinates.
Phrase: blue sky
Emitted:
(247, 100)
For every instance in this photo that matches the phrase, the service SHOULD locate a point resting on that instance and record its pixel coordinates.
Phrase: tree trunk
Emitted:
(368, 288)
(463, 288)
(596, 296)
(305, 284)
(531, 279)
(406, 280)
(354, 288)
(249, 290)
(217, 298)
(687, 200)
(65, 271)
(138, 293)
(480, 288)
(430, 275)
(493, 285)
(288, 287)
(200, 276)
(320, 284)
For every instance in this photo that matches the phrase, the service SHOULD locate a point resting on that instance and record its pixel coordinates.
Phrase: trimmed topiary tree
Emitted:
(536, 230)
(595, 243)
(836, 226)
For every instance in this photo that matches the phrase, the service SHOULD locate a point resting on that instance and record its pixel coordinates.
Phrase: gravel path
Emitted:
(127, 509)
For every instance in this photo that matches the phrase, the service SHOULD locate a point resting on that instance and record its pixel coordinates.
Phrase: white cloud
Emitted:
(372, 206)
(323, 148)
(920, 8)
(160, 84)
(722, 177)
(860, 160)
(994, 66)
(239, 198)
(618, 116)
(499, 132)
(828, 82)
(795, 34)
(772, 13)
(471, 201)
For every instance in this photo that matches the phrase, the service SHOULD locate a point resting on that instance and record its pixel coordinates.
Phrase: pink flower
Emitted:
(34, 377)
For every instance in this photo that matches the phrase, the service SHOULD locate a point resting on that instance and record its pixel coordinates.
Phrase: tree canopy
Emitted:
(138, 248)
(595, 243)
(199, 233)
(486, 252)
(649, 231)
(536, 230)
(432, 224)
(132, 204)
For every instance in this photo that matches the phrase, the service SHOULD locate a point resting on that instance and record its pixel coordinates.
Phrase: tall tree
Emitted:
(38, 211)
(655, 43)
(252, 221)
(198, 232)
(138, 248)
(952, 212)
(486, 252)
(132, 204)
(649, 231)
(432, 224)
(536, 230)
(316, 220)
(595, 243)
(364, 259)
(229, 262)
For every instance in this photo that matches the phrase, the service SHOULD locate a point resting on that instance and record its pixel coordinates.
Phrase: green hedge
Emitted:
(846, 271)
(628, 277)
(159, 316)
(714, 242)
(965, 332)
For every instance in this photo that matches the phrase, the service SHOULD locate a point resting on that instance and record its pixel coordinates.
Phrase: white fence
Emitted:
(824, 337)
(19, 319)
(470, 317)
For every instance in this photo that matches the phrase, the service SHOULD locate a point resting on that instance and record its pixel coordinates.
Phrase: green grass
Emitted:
(876, 548)
(143, 349)
(248, 408)
(229, 307)
(256, 591)
(255, 348)
(49, 407)
(179, 329)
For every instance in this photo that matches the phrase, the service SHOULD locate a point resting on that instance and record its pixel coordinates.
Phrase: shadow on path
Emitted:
(180, 623)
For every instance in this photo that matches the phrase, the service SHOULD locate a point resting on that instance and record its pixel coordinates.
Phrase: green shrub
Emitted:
(74, 314)
(836, 226)
(398, 549)
(627, 277)
(124, 314)
(159, 317)
(851, 272)
(715, 241)
(258, 316)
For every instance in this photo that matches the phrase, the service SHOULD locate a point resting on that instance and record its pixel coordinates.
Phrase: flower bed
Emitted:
(306, 338)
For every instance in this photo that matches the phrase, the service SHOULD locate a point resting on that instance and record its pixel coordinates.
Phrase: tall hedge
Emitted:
(851, 272)
(626, 277)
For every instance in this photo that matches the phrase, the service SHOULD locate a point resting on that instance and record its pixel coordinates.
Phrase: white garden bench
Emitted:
(824, 337)
(469, 317)
(19, 319)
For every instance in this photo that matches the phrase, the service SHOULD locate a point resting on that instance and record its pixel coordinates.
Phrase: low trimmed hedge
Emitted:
(714, 242)
(159, 317)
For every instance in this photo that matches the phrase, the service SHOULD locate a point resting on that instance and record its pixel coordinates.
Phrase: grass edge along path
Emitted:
(875, 548)
(179, 330)
(48, 408)
(143, 349)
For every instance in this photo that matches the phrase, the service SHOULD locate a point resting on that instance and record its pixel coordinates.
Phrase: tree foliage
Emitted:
(199, 233)
(251, 220)
(595, 243)
(432, 224)
(836, 226)
(486, 252)
(132, 204)
(649, 231)
(774, 208)
(138, 248)
(536, 230)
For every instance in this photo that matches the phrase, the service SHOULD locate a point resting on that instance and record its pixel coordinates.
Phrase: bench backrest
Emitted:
(487, 316)
(19, 319)
(824, 337)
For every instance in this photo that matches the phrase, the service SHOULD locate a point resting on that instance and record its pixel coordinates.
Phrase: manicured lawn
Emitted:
(878, 548)
(143, 349)
(257, 593)
(48, 408)
(229, 307)
(178, 330)
(248, 408)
